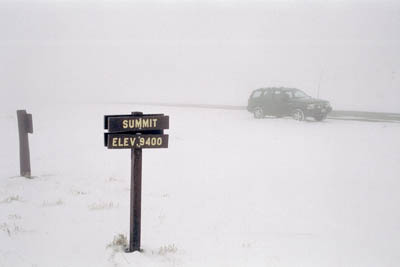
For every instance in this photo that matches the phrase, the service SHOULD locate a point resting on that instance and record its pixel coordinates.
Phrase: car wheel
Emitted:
(258, 113)
(298, 115)
(320, 117)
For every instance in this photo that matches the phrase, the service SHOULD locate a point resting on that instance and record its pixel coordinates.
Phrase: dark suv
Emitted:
(282, 102)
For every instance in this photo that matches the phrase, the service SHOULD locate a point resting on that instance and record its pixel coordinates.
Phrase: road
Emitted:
(334, 115)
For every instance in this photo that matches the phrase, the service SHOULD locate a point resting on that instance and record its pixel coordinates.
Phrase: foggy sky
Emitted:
(200, 52)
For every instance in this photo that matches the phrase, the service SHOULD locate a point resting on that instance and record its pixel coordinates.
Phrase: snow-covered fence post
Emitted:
(25, 126)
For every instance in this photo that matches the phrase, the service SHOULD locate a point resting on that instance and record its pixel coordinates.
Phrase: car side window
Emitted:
(267, 93)
(288, 94)
(256, 94)
(277, 93)
(280, 96)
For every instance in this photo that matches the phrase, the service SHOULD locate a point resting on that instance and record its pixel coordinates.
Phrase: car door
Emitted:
(280, 102)
(276, 102)
(267, 102)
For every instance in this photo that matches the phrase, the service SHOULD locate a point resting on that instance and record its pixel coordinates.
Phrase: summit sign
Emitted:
(137, 123)
(136, 131)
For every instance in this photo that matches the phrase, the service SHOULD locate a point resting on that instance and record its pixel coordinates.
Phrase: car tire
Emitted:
(298, 115)
(320, 117)
(258, 113)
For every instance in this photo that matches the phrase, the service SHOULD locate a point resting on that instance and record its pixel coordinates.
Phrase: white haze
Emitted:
(199, 52)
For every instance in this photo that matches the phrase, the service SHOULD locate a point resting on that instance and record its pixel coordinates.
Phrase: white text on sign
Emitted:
(139, 123)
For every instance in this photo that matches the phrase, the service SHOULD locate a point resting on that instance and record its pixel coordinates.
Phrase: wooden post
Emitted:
(135, 132)
(136, 200)
(136, 197)
(24, 127)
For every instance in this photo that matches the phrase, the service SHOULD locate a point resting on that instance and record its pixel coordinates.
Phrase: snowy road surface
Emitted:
(229, 191)
(335, 114)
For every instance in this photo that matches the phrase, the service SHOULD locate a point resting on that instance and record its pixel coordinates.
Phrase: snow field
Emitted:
(229, 191)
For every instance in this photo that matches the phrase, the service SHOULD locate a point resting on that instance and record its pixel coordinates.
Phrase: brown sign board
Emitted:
(130, 123)
(136, 141)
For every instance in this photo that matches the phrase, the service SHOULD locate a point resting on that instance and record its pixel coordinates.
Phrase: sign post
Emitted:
(136, 197)
(136, 200)
(25, 126)
(135, 132)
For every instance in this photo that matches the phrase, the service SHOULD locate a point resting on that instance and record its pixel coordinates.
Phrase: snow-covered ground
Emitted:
(229, 191)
